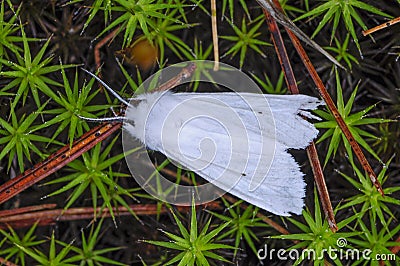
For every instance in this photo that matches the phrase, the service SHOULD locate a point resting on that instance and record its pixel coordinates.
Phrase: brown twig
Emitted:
(311, 150)
(382, 26)
(27, 216)
(178, 79)
(277, 13)
(99, 45)
(214, 34)
(396, 249)
(56, 161)
(321, 187)
(332, 107)
(69, 153)
(5, 213)
(6, 262)
(267, 220)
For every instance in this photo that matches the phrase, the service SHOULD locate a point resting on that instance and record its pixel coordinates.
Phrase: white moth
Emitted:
(237, 141)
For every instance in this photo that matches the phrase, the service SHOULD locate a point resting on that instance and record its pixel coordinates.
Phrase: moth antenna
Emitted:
(113, 111)
(108, 88)
(119, 119)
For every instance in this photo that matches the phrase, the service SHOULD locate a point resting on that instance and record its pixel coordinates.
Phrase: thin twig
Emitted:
(67, 153)
(56, 161)
(332, 107)
(396, 249)
(311, 150)
(185, 73)
(382, 26)
(277, 13)
(5, 262)
(214, 34)
(26, 217)
(97, 58)
(267, 220)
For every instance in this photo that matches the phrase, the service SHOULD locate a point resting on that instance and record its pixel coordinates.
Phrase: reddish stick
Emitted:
(66, 154)
(100, 44)
(311, 150)
(332, 107)
(396, 249)
(26, 217)
(6, 262)
(34, 208)
(267, 220)
(175, 81)
(214, 34)
(382, 26)
(56, 161)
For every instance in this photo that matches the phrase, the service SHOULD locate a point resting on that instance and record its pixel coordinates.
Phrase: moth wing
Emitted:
(238, 141)
(290, 128)
(281, 190)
